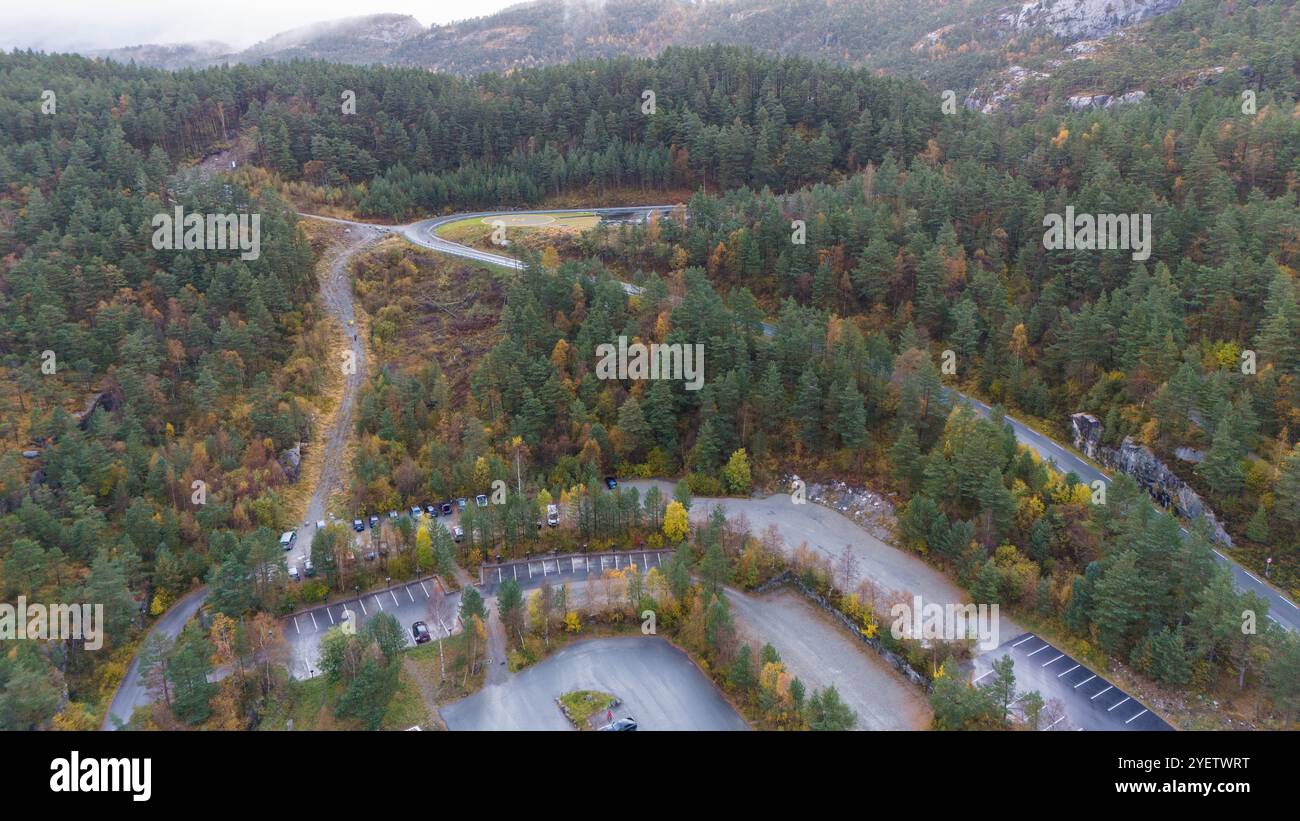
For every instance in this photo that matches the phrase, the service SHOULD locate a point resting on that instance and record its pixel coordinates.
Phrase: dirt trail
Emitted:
(336, 297)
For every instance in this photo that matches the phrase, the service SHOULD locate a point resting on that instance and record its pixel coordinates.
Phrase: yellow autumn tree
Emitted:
(676, 525)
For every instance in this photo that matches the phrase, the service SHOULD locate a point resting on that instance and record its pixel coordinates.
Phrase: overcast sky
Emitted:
(65, 25)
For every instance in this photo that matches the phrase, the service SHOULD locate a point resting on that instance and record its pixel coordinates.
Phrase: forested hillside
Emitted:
(923, 234)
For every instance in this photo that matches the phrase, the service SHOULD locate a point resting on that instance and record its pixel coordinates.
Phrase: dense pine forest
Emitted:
(921, 233)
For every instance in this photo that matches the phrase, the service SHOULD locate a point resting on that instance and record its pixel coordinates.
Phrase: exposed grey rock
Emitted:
(1087, 433)
(1085, 19)
(291, 461)
(1190, 455)
(1155, 476)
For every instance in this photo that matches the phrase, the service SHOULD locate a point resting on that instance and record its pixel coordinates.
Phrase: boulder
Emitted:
(291, 461)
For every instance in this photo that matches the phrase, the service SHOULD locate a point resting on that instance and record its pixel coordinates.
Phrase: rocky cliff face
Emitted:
(1155, 476)
(1083, 19)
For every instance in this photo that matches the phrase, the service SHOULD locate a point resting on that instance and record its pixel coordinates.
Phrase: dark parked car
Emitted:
(431, 510)
(461, 503)
(480, 500)
(611, 482)
(374, 522)
(446, 508)
(622, 725)
(358, 525)
(420, 632)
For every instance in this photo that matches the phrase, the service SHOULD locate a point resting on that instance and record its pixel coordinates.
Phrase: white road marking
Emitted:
(1136, 717)
(378, 602)
(1071, 670)
(1058, 658)
(331, 615)
(1040, 649)
(363, 607)
(1252, 575)
(410, 595)
(1107, 690)
(1126, 698)
(1058, 721)
(295, 626)
(396, 603)
(1022, 641)
(313, 621)
(425, 589)
(985, 673)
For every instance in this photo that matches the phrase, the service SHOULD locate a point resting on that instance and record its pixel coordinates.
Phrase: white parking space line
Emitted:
(295, 626)
(1103, 692)
(425, 589)
(982, 675)
(396, 603)
(1022, 641)
(379, 603)
(1126, 698)
(363, 607)
(1067, 672)
(1136, 717)
(530, 570)
(1058, 721)
(313, 621)
(1085, 681)
(331, 615)
(1040, 649)
(1058, 658)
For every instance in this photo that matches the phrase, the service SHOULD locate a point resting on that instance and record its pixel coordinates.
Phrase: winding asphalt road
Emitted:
(1283, 611)
(132, 692)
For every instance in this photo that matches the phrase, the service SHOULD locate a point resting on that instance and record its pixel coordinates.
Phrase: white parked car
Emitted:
(287, 538)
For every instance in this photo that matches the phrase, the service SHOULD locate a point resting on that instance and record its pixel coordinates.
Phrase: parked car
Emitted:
(392, 515)
(457, 533)
(320, 524)
(461, 503)
(553, 515)
(371, 556)
(293, 574)
(358, 525)
(446, 508)
(420, 632)
(621, 725)
(611, 482)
(374, 522)
(480, 500)
(431, 510)
(287, 539)
(415, 511)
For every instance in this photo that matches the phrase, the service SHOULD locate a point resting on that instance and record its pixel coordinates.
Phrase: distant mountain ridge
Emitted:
(997, 53)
